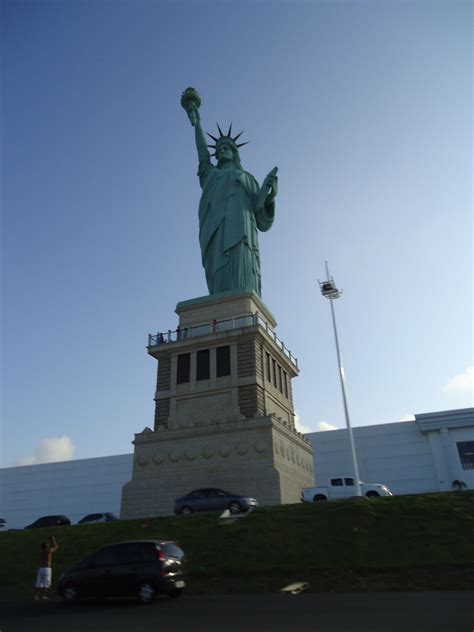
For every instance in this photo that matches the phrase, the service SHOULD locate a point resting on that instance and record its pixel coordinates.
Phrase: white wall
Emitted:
(70, 488)
(397, 455)
(410, 456)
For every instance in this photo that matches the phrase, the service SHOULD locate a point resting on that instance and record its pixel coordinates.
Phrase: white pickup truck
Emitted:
(342, 487)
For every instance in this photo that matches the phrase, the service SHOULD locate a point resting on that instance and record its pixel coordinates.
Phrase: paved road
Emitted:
(327, 612)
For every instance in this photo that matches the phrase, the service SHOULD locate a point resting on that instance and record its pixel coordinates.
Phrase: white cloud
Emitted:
(26, 460)
(315, 427)
(50, 450)
(461, 383)
(300, 426)
(408, 417)
(323, 426)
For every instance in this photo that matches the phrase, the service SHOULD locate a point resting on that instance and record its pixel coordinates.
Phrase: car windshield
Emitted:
(90, 518)
(48, 519)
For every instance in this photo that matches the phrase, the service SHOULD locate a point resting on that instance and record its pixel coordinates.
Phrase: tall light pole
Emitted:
(330, 291)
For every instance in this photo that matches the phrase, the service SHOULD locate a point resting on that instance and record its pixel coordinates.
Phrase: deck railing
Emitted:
(217, 326)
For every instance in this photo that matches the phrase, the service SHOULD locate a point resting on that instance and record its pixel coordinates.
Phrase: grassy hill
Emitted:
(419, 542)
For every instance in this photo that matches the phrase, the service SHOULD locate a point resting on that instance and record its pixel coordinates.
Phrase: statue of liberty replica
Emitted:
(224, 413)
(233, 207)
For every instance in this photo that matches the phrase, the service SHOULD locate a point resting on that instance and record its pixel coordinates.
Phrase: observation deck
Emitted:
(216, 327)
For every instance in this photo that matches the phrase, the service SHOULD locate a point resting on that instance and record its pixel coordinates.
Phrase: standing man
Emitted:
(45, 571)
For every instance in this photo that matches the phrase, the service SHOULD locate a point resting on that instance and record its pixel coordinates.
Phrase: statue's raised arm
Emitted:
(232, 209)
(190, 100)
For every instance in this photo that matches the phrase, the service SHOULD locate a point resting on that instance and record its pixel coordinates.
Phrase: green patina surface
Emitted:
(233, 208)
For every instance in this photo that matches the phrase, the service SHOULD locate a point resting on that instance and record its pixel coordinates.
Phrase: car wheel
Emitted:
(319, 497)
(235, 507)
(372, 494)
(70, 593)
(186, 511)
(146, 592)
(175, 593)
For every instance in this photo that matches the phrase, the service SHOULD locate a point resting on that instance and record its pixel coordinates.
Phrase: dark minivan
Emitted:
(142, 568)
(49, 521)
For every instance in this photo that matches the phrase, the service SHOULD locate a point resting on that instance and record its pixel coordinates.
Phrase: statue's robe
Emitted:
(228, 221)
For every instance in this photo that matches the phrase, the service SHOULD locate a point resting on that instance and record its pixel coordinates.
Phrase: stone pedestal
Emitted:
(224, 413)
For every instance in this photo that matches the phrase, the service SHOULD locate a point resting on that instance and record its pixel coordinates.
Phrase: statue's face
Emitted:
(224, 152)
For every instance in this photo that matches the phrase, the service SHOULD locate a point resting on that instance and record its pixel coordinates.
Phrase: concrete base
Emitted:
(259, 457)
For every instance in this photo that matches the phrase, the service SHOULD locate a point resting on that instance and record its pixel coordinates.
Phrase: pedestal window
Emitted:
(274, 373)
(184, 368)
(267, 357)
(202, 365)
(223, 361)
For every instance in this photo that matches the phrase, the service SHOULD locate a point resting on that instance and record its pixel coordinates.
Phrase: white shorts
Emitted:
(43, 579)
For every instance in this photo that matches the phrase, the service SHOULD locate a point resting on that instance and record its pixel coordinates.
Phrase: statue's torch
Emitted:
(190, 100)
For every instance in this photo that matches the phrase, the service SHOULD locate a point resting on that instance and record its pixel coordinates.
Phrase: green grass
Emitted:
(420, 542)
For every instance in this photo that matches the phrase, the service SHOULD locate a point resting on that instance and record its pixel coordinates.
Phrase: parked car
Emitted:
(212, 499)
(98, 517)
(342, 487)
(140, 568)
(49, 521)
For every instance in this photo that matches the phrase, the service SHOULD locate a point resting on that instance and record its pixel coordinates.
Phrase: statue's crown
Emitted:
(225, 137)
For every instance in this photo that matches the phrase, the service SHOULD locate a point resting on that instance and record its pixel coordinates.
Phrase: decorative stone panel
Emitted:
(246, 356)
(251, 400)
(162, 411)
(204, 407)
(256, 456)
(164, 374)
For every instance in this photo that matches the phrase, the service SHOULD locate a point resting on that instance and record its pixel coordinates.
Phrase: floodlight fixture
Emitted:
(329, 289)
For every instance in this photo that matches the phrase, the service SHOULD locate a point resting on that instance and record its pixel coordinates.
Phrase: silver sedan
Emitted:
(213, 499)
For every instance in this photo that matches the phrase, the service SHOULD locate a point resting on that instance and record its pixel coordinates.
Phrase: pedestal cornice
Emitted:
(226, 304)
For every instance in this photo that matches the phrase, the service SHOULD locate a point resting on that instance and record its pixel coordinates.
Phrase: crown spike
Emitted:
(212, 146)
(236, 137)
(220, 131)
(211, 136)
(230, 130)
(242, 144)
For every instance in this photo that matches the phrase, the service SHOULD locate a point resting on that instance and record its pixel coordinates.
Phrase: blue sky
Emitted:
(365, 107)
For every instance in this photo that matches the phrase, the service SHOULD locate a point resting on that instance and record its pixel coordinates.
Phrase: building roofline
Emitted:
(459, 418)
